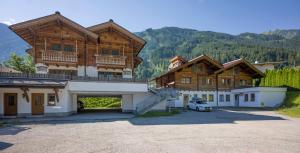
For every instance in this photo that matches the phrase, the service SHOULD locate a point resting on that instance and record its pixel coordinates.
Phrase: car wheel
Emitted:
(188, 107)
(197, 109)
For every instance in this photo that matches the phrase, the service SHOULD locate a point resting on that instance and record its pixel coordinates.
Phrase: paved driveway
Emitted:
(222, 131)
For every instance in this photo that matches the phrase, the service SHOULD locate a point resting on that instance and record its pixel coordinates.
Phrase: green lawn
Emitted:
(101, 102)
(158, 113)
(291, 104)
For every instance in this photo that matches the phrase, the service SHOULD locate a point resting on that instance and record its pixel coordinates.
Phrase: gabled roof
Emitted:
(53, 17)
(111, 23)
(233, 63)
(192, 61)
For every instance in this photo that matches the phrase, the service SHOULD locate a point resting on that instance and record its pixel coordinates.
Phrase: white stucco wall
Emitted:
(269, 96)
(179, 101)
(24, 107)
(98, 86)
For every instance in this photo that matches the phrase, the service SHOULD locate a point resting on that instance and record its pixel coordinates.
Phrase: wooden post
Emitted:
(34, 46)
(85, 54)
(45, 43)
(123, 49)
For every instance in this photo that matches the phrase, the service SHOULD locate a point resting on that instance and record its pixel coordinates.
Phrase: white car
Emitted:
(199, 105)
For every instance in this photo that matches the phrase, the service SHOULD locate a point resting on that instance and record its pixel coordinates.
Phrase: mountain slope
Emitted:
(164, 43)
(10, 42)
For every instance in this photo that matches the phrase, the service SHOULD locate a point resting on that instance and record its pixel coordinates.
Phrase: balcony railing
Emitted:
(36, 76)
(59, 56)
(111, 60)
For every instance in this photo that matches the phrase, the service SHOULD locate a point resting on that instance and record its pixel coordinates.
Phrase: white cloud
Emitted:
(10, 21)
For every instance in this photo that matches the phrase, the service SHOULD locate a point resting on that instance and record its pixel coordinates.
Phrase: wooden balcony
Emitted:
(111, 60)
(59, 56)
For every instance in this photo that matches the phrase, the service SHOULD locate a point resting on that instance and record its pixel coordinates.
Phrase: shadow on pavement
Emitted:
(4, 145)
(189, 117)
(193, 117)
(12, 130)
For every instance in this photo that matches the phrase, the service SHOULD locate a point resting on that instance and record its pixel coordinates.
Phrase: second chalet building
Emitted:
(228, 84)
(73, 61)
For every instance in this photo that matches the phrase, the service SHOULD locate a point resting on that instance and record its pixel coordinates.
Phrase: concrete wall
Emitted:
(127, 103)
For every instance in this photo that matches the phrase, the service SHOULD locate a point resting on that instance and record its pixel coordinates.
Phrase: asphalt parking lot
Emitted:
(218, 131)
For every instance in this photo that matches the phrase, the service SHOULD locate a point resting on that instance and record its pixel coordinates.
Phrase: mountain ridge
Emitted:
(164, 43)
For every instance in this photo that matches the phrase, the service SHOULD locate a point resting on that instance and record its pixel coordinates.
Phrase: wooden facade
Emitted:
(62, 44)
(204, 73)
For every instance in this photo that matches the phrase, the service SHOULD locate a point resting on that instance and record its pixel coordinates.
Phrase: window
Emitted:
(51, 99)
(115, 52)
(11, 100)
(69, 48)
(204, 97)
(252, 97)
(42, 69)
(229, 82)
(246, 98)
(242, 82)
(209, 81)
(223, 81)
(227, 98)
(203, 81)
(186, 80)
(210, 97)
(56, 47)
(221, 97)
(126, 72)
(105, 52)
(237, 70)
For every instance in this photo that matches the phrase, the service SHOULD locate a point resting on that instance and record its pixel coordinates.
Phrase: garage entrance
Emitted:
(99, 103)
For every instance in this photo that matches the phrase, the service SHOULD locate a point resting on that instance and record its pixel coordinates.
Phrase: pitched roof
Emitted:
(233, 63)
(111, 23)
(192, 61)
(7, 69)
(53, 17)
(45, 83)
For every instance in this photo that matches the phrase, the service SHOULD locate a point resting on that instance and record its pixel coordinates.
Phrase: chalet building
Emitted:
(72, 61)
(216, 83)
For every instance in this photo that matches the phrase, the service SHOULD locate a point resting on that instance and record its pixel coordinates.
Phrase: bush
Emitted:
(291, 104)
(101, 102)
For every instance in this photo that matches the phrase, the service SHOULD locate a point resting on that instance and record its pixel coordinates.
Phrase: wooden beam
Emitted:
(25, 93)
(56, 94)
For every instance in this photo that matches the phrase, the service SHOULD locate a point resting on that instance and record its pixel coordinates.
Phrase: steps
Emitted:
(158, 96)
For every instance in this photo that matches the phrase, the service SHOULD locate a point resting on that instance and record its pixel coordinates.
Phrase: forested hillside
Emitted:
(163, 44)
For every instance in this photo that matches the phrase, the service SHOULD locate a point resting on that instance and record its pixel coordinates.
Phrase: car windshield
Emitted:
(200, 102)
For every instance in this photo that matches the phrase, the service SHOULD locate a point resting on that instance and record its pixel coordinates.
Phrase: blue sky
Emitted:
(228, 16)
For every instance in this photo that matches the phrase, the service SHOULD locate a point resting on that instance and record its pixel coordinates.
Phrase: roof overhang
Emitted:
(26, 28)
(193, 61)
(119, 28)
(234, 63)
